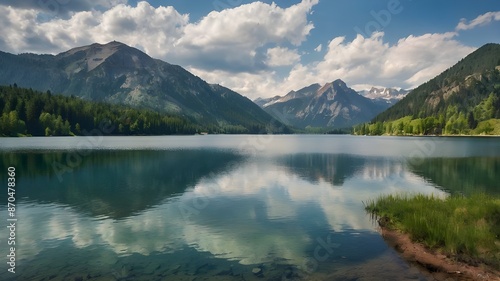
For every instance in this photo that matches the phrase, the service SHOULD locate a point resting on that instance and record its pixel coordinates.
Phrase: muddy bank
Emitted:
(441, 267)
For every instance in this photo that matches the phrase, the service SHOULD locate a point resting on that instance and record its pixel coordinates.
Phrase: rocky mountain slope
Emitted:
(460, 89)
(333, 105)
(464, 99)
(118, 73)
(386, 95)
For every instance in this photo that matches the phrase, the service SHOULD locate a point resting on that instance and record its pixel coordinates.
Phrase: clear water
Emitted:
(218, 207)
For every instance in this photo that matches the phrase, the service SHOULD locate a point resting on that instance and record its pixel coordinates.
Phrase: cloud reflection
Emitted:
(260, 211)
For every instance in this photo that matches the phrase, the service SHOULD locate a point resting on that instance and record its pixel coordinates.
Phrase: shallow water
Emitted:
(218, 207)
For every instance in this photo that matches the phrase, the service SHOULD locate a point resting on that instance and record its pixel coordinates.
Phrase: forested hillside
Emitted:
(28, 112)
(120, 74)
(465, 99)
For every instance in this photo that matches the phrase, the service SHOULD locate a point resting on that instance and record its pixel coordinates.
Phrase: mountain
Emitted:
(385, 95)
(454, 102)
(264, 101)
(117, 73)
(333, 105)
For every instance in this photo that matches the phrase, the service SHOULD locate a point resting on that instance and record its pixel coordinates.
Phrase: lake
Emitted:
(220, 207)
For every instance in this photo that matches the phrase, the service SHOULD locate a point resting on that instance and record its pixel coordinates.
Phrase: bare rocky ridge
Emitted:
(333, 105)
(387, 95)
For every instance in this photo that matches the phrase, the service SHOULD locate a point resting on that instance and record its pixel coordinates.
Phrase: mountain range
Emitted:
(456, 101)
(385, 95)
(120, 74)
(333, 105)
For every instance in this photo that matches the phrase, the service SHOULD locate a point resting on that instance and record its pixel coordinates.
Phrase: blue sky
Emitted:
(417, 17)
(266, 48)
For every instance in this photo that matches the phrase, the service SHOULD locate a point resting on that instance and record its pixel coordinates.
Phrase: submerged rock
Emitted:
(257, 271)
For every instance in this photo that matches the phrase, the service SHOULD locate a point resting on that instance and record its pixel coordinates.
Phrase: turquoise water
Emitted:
(220, 207)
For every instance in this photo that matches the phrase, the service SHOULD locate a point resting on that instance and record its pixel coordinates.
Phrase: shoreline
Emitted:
(439, 266)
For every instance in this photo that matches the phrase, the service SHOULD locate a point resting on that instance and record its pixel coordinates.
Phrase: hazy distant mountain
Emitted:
(333, 105)
(117, 73)
(264, 101)
(387, 95)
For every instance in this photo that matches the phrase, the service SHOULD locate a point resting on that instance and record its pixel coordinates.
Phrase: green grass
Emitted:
(465, 227)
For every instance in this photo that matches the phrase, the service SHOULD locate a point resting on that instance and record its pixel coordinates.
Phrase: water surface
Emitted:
(217, 207)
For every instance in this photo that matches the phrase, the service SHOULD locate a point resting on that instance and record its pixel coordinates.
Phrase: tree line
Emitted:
(27, 112)
(484, 118)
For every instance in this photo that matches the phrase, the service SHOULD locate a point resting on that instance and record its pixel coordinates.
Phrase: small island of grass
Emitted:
(455, 232)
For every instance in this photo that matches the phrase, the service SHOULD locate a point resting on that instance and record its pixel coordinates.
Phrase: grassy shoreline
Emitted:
(465, 228)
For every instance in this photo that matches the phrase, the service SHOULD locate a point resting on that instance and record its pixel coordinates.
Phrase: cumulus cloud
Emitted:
(253, 85)
(408, 63)
(370, 61)
(152, 29)
(361, 63)
(481, 20)
(235, 39)
(239, 47)
(282, 56)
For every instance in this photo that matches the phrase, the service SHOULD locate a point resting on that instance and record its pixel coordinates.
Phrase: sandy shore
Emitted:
(440, 266)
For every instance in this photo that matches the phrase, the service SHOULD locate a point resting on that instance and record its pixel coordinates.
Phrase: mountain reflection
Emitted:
(253, 211)
(113, 183)
(461, 175)
(333, 168)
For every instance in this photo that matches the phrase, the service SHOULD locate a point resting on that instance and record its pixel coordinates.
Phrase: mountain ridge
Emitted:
(464, 99)
(120, 74)
(385, 94)
(333, 105)
(437, 91)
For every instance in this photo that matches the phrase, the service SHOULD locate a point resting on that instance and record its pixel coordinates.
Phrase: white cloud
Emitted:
(235, 39)
(481, 20)
(152, 29)
(239, 47)
(282, 56)
(408, 63)
(253, 85)
(251, 24)
(361, 63)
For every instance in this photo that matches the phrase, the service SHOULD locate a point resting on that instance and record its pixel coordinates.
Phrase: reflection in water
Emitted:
(333, 168)
(180, 209)
(112, 183)
(461, 175)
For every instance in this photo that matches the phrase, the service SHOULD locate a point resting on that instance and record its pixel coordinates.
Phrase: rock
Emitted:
(257, 271)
